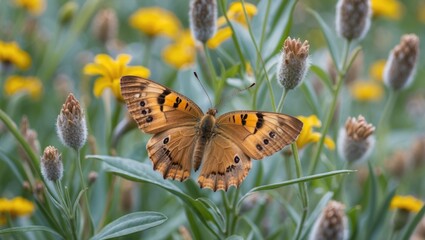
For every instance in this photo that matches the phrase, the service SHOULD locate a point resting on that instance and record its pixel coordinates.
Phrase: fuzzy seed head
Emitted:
(293, 63)
(105, 25)
(51, 164)
(332, 223)
(71, 124)
(400, 68)
(356, 140)
(353, 18)
(203, 18)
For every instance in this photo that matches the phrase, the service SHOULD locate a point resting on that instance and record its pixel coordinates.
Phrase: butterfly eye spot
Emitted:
(142, 103)
(236, 159)
(266, 141)
(166, 140)
(272, 134)
(146, 111)
(149, 119)
(259, 147)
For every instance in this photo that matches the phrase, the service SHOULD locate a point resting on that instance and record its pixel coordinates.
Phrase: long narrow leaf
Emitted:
(25, 229)
(130, 223)
(329, 36)
(413, 224)
(294, 181)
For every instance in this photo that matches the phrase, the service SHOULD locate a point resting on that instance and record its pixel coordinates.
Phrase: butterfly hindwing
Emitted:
(171, 152)
(155, 107)
(259, 134)
(224, 164)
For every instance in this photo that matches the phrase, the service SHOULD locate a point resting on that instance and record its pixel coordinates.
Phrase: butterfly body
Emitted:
(185, 138)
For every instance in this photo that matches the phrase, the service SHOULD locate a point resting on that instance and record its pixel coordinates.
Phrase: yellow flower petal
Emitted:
(11, 53)
(137, 71)
(391, 9)
(100, 84)
(367, 91)
(377, 69)
(408, 203)
(307, 134)
(17, 84)
(220, 36)
(155, 21)
(111, 71)
(35, 7)
(236, 12)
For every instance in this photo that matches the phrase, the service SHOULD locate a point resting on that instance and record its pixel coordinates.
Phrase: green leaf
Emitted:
(15, 230)
(218, 216)
(130, 223)
(280, 28)
(330, 38)
(373, 195)
(323, 76)
(293, 181)
(311, 97)
(413, 224)
(381, 216)
(235, 237)
(15, 168)
(142, 172)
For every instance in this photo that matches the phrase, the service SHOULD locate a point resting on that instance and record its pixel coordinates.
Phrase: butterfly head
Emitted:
(212, 111)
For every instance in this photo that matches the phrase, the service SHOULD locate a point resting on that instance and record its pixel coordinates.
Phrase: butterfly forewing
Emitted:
(259, 134)
(156, 108)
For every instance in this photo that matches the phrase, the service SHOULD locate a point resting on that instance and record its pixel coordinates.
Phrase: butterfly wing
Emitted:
(224, 165)
(259, 134)
(171, 152)
(155, 107)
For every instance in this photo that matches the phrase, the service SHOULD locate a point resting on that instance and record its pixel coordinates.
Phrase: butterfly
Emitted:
(185, 137)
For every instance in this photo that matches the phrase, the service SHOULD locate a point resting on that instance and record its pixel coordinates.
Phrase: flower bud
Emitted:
(92, 177)
(332, 223)
(355, 142)
(67, 12)
(203, 18)
(30, 137)
(398, 164)
(400, 68)
(51, 164)
(293, 63)
(105, 25)
(353, 18)
(71, 125)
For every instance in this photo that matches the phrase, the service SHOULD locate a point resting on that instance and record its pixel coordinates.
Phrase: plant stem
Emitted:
(341, 75)
(86, 213)
(263, 64)
(303, 191)
(384, 123)
(282, 100)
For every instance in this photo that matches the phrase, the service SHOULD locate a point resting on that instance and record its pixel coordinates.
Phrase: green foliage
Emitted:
(109, 189)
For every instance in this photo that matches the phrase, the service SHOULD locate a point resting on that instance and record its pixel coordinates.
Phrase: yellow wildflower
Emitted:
(111, 71)
(35, 7)
(16, 207)
(407, 203)
(377, 69)
(367, 90)
(235, 13)
(11, 53)
(391, 9)
(16, 84)
(155, 21)
(182, 53)
(308, 136)
(420, 12)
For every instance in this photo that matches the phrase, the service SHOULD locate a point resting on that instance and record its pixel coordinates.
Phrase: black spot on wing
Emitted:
(178, 101)
(161, 98)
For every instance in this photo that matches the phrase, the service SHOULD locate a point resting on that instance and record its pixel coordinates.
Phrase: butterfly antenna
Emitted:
(236, 92)
(202, 85)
